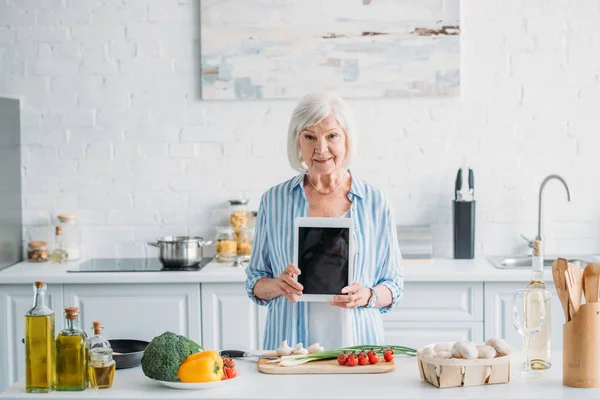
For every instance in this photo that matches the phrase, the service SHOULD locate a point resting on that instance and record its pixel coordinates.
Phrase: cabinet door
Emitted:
(420, 334)
(138, 311)
(15, 302)
(439, 301)
(498, 314)
(230, 320)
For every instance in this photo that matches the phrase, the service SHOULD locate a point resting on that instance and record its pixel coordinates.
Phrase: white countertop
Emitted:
(439, 270)
(403, 383)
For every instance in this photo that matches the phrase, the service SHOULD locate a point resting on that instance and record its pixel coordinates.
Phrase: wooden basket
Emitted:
(581, 348)
(456, 372)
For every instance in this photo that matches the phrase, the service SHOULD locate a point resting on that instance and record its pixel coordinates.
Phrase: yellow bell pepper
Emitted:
(205, 366)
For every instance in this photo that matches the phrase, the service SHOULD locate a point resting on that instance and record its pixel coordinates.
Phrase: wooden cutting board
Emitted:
(325, 367)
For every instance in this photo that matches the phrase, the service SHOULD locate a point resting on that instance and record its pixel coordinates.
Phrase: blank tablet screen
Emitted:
(323, 256)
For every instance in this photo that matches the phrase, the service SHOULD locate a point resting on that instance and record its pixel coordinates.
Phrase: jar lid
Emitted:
(240, 202)
(67, 217)
(36, 244)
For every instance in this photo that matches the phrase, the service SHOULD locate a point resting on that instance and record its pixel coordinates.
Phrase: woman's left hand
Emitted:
(356, 296)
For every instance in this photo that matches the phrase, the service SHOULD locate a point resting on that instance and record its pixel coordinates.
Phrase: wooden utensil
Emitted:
(591, 280)
(573, 280)
(559, 267)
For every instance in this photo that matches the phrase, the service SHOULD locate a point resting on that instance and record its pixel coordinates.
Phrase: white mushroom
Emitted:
(315, 348)
(442, 347)
(499, 344)
(299, 350)
(486, 351)
(465, 349)
(443, 354)
(428, 352)
(284, 349)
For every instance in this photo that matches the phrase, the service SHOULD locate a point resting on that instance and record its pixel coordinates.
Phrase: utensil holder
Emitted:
(581, 348)
(463, 216)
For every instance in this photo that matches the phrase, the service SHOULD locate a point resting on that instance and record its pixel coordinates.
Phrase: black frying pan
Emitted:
(127, 353)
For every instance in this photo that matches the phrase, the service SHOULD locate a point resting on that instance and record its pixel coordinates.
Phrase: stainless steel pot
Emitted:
(180, 251)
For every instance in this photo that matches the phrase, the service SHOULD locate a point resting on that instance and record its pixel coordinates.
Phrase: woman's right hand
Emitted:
(287, 285)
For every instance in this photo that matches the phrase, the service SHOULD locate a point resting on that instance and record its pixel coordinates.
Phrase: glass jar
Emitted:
(37, 251)
(239, 215)
(101, 366)
(245, 241)
(226, 242)
(71, 235)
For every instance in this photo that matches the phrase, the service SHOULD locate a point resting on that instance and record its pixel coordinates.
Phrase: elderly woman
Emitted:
(321, 142)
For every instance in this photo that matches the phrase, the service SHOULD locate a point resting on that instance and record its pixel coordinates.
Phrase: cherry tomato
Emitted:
(373, 358)
(342, 359)
(352, 361)
(370, 352)
(388, 355)
(230, 372)
(363, 359)
(224, 377)
(229, 361)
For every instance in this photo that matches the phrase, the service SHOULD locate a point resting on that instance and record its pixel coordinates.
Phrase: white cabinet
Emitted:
(230, 320)
(498, 315)
(439, 301)
(136, 311)
(419, 334)
(15, 301)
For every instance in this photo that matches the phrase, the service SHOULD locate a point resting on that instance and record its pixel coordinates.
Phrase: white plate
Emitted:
(197, 386)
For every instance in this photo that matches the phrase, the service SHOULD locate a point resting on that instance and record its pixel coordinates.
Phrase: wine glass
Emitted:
(529, 316)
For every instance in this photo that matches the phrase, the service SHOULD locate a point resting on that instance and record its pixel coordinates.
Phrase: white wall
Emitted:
(115, 131)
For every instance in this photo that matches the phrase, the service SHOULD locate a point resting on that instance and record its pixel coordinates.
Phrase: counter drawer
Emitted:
(439, 301)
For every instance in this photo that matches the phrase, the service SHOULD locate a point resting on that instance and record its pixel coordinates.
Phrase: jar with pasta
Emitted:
(239, 215)
(245, 241)
(226, 242)
(37, 251)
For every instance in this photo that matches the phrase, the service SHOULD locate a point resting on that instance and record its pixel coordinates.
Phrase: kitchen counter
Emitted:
(403, 383)
(439, 270)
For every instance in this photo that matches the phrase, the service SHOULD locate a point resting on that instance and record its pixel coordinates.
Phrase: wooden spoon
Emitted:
(591, 279)
(573, 280)
(559, 267)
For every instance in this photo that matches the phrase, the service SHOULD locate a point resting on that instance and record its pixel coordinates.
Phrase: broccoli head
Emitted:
(165, 353)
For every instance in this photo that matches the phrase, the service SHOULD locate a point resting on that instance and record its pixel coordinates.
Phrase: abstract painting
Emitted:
(283, 49)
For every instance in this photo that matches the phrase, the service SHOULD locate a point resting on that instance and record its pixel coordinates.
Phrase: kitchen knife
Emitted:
(458, 186)
(243, 354)
(471, 184)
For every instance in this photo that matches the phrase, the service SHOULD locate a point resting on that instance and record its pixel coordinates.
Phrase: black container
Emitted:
(463, 218)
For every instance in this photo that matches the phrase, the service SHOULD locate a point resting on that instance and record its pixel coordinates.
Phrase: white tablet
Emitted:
(323, 249)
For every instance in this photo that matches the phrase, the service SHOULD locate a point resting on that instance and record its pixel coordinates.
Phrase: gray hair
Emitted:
(312, 109)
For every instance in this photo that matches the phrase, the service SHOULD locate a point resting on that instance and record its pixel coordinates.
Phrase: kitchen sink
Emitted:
(518, 262)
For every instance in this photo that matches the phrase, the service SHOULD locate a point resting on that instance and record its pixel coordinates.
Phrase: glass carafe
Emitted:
(39, 344)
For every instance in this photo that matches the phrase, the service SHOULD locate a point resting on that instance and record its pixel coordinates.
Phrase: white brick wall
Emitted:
(114, 129)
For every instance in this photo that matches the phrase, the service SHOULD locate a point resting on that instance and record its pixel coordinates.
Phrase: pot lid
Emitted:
(180, 239)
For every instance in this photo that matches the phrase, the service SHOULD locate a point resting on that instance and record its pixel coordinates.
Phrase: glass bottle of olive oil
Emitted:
(101, 366)
(71, 354)
(39, 344)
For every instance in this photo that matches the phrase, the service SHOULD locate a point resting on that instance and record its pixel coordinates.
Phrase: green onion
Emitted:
(287, 361)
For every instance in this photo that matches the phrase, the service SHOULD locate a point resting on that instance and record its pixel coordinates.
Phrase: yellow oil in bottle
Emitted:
(71, 354)
(101, 376)
(39, 353)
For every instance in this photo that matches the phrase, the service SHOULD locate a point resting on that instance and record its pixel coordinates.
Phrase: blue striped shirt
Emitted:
(378, 260)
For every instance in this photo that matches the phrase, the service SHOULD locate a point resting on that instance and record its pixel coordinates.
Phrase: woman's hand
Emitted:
(356, 296)
(287, 285)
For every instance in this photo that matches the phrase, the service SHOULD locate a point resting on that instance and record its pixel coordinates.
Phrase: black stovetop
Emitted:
(131, 265)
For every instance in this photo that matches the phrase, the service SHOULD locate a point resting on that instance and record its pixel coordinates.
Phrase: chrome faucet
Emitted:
(544, 182)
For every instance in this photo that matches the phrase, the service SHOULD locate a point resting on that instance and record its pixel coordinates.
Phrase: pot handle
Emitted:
(155, 244)
(204, 243)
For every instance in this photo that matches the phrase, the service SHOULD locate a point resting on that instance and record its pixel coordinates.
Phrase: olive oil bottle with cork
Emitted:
(71, 354)
(39, 344)
(101, 366)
